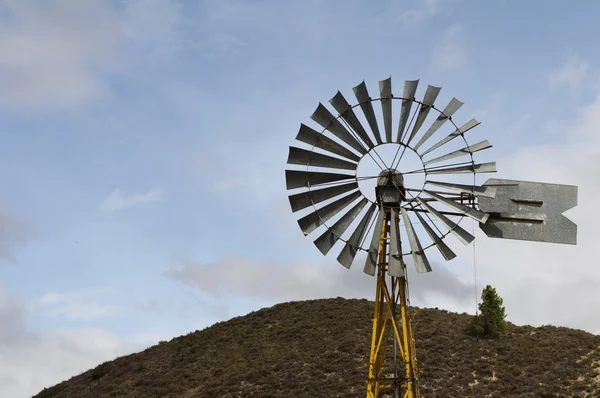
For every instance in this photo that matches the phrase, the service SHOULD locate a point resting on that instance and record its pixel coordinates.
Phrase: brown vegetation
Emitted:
(320, 348)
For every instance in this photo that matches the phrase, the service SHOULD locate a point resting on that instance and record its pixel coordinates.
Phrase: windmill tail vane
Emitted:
(328, 189)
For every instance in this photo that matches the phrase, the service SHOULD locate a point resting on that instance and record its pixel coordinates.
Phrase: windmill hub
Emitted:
(390, 189)
(390, 156)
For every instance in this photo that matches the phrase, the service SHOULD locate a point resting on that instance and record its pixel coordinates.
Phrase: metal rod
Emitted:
(425, 170)
(403, 135)
(402, 140)
(396, 385)
(421, 209)
(460, 194)
(360, 142)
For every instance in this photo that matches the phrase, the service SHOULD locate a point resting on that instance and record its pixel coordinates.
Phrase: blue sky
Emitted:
(144, 143)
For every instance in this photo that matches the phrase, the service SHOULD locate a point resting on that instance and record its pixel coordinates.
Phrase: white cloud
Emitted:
(117, 201)
(571, 74)
(48, 360)
(153, 26)
(222, 45)
(423, 10)
(151, 306)
(308, 280)
(450, 53)
(80, 305)
(53, 51)
(31, 361)
(57, 53)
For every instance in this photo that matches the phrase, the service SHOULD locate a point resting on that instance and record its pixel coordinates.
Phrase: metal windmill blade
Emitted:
(450, 109)
(489, 167)
(314, 138)
(410, 89)
(303, 200)
(385, 90)
(430, 97)
(437, 240)
(363, 98)
(396, 264)
(326, 241)
(345, 110)
(487, 191)
(353, 244)
(454, 228)
(419, 257)
(322, 116)
(456, 133)
(461, 152)
(459, 207)
(373, 253)
(300, 179)
(313, 220)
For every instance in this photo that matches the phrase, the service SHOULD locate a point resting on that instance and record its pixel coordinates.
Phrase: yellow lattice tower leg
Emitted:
(412, 385)
(389, 303)
(379, 323)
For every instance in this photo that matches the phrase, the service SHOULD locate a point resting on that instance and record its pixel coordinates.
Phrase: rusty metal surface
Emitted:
(532, 211)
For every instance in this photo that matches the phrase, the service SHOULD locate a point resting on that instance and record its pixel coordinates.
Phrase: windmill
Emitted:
(328, 183)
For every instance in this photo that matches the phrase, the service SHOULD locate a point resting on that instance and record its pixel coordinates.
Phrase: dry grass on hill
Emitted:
(320, 348)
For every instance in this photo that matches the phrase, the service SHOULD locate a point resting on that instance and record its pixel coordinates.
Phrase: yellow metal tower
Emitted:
(391, 324)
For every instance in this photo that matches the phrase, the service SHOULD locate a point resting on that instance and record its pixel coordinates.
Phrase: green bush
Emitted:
(491, 320)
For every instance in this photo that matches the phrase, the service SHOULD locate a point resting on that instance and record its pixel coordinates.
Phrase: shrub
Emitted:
(491, 320)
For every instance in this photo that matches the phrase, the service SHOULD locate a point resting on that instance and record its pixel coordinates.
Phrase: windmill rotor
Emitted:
(326, 177)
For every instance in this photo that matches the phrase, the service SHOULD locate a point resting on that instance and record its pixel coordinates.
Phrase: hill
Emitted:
(320, 348)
